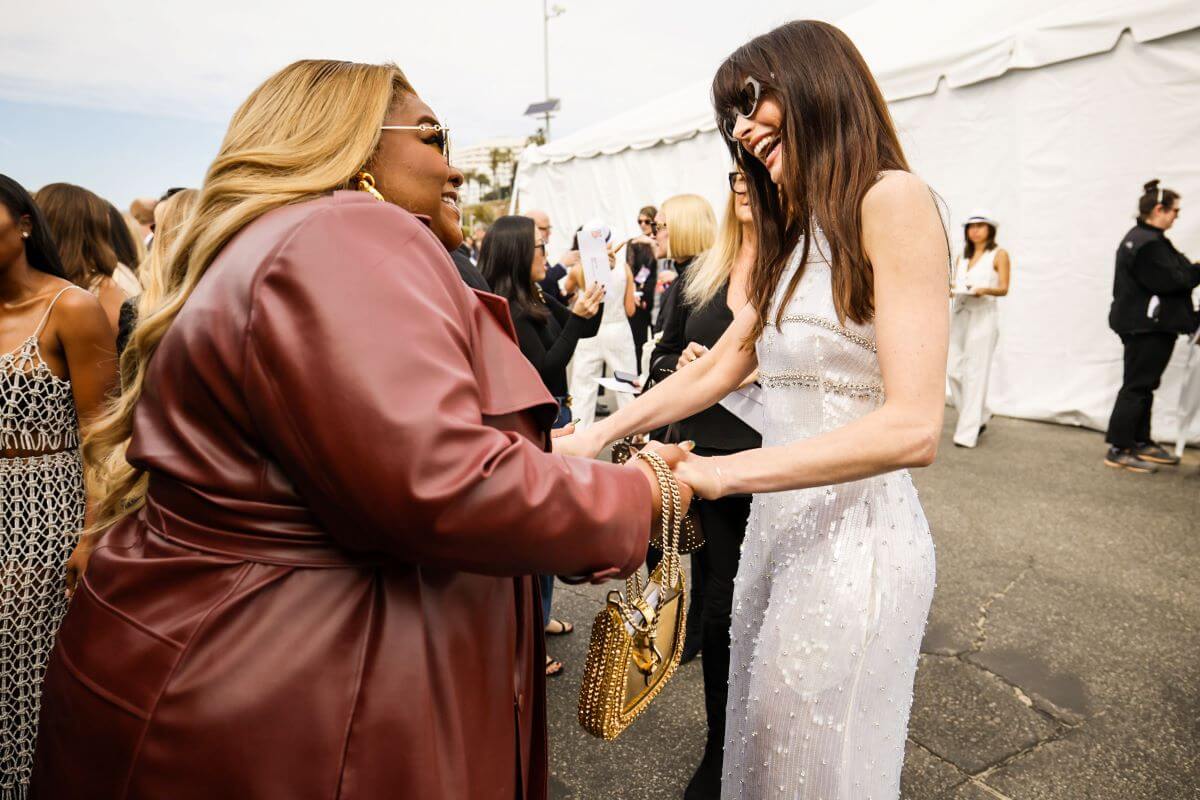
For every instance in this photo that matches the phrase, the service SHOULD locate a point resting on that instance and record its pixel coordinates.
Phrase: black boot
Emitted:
(706, 782)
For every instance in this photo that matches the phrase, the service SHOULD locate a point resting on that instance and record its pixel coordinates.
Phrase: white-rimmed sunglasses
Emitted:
(441, 135)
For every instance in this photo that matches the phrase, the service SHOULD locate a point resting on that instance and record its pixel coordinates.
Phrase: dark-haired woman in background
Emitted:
(56, 364)
(79, 222)
(847, 323)
(981, 274)
(1152, 304)
(513, 260)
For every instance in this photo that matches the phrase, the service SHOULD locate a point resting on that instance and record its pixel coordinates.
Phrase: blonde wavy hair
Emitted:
(176, 212)
(303, 133)
(706, 277)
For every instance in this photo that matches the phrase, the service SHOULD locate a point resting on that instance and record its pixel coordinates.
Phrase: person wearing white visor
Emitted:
(981, 274)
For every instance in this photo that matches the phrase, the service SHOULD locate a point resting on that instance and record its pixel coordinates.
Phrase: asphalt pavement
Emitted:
(1062, 656)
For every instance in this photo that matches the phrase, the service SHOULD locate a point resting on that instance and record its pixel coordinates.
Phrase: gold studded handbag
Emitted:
(637, 638)
(691, 535)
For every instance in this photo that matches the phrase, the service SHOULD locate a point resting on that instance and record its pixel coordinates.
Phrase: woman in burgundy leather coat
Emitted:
(312, 579)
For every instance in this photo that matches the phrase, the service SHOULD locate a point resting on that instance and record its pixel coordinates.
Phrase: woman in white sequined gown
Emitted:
(837, 570)
(56, 364)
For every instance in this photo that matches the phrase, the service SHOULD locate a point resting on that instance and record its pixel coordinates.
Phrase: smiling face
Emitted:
(411, 171)
(761, 135)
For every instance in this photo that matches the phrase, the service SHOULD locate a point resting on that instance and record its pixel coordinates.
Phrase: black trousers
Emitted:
(724, 523)
(1146, 357)
(640, 324)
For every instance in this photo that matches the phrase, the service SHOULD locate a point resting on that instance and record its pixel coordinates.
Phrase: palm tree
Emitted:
(498, 156)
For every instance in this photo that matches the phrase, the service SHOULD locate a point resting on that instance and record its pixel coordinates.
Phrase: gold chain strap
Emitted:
(672, 520)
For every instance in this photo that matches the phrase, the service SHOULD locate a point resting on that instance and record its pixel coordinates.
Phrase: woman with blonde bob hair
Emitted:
(324, 489)
(684, 227)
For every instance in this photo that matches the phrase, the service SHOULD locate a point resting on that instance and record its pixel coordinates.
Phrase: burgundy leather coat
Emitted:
(325, 595)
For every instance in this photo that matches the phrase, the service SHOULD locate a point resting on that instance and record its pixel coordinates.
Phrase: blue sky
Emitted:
(132, 96)
(120, 154)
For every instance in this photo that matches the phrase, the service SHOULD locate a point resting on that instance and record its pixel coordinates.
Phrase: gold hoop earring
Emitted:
(366, 183)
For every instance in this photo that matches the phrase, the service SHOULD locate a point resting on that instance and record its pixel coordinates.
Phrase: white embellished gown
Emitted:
(834, 586)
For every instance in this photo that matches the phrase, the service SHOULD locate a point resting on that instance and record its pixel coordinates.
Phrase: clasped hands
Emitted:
(697, 475)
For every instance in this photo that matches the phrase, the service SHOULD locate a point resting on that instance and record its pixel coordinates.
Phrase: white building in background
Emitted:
(478, 159)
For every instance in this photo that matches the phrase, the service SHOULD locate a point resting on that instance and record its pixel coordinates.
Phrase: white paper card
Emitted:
(651, 594)
(593, 253)
(747, 405)
(614, 385)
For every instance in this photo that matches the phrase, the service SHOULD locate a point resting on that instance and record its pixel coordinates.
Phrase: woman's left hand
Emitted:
(702, 474)
(78, 562)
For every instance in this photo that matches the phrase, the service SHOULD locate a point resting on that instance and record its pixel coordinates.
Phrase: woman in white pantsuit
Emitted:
(981, 274)
(613, 345)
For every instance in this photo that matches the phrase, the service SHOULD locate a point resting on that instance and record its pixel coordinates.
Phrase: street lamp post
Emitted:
(549, 12)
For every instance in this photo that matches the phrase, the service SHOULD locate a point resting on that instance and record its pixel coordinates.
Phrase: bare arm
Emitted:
(704, 382)
(574, 281)
(111, 297)
(905, 243)
(88, 348)
(1004, 271)
(630, 301)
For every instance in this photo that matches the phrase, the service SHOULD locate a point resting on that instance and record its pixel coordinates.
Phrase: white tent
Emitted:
(1050, 115)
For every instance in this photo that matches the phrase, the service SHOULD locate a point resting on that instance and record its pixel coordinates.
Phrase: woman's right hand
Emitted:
(588, 302)
(672, 455)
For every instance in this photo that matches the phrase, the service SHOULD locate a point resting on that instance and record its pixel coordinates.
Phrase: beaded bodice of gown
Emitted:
(42, 504)
(834, 585)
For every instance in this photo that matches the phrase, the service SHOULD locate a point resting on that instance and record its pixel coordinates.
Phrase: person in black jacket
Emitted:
(1152, 304)
(713, 289)
(467, 270)
(512, 260)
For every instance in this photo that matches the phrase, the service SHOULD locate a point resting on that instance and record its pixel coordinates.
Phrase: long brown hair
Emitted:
(79, 221)
(838, 136)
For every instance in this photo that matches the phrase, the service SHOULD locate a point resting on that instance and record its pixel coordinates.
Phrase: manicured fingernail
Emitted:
(689, 445)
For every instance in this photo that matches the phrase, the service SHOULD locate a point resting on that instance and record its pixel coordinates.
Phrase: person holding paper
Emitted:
(513, 260)
(712, 291)
(981, 274)
(613, 345)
